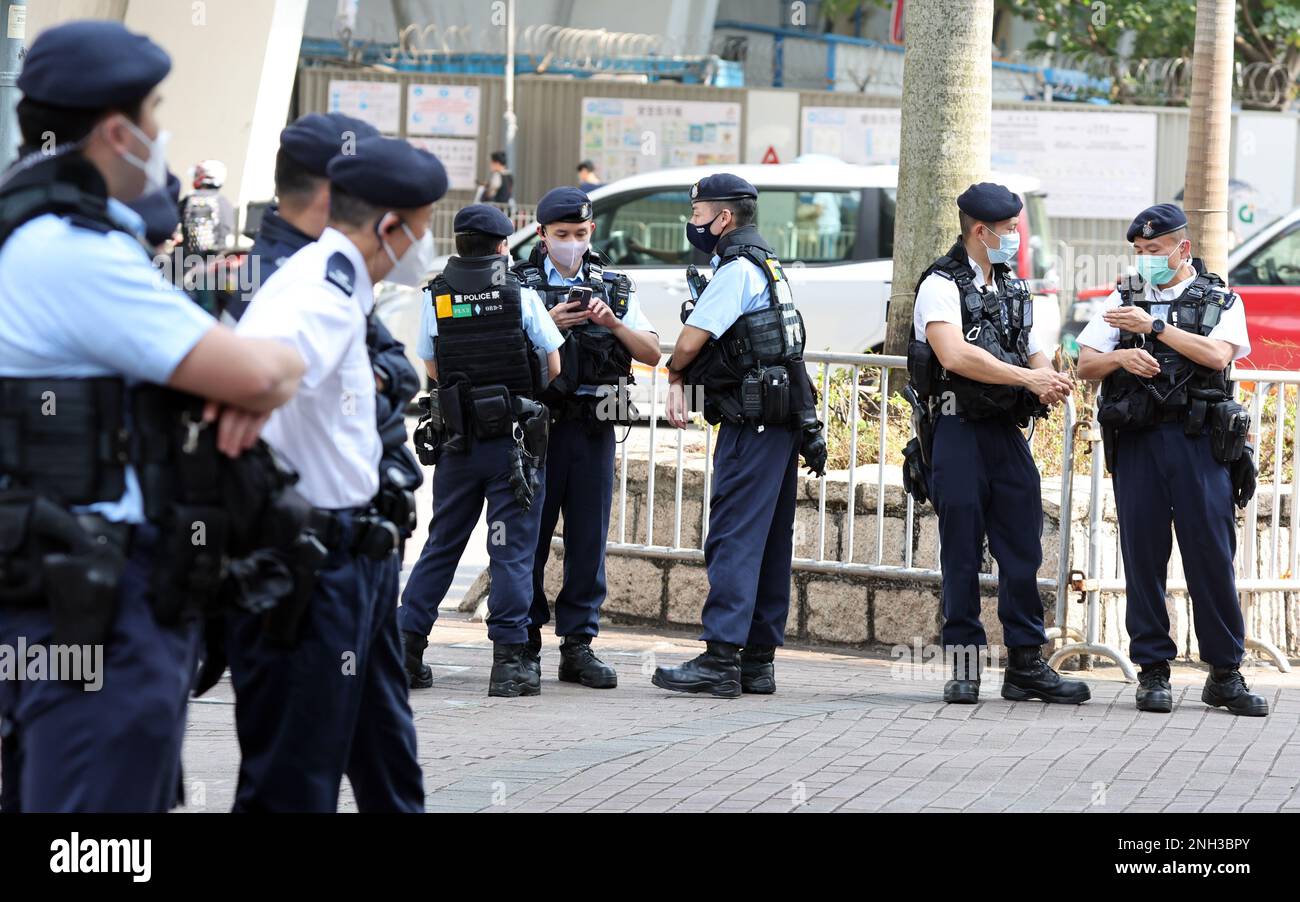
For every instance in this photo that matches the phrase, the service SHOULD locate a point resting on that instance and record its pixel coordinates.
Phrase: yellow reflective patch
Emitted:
(774, 267)
(443, 307)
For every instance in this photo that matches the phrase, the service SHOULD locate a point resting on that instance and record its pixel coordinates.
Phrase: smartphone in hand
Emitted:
(582, 295)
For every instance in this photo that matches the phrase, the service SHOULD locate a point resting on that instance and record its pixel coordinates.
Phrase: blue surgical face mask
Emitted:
(1155, 269)
(1005, 252)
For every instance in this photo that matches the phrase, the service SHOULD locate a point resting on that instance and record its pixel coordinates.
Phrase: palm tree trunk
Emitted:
(1205, 192)
(944, 145)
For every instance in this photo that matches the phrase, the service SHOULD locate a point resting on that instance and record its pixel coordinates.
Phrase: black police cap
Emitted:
(1156, 221)
(315, 139)
(389, 172)
(483, 218)
(989, 202)
(564, 204)
(722, 186)
(160, 211)
(92, 65)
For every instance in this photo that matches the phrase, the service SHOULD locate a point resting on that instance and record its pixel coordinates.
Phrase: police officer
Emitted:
(1163, 347)
(603, 334)
(977, 363)
(335, 700)
(480, 332)
(88, 330)
(743, 342)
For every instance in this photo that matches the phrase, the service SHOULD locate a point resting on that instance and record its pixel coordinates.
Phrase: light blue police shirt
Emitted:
(76, 303)
(537, 322)
(740, 288)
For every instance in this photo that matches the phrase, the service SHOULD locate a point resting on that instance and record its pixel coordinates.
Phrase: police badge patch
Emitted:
(695, 190)
(585, 211)
(1149, 229)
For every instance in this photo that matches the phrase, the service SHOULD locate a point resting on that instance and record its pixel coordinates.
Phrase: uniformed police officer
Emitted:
(335, 701)
(743, 342)
(1163, 347)
(602, 337)
(977, 363)
(86, 325)
(480, 331)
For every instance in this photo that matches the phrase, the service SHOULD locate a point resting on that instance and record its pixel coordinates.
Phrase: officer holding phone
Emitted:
(605, 330)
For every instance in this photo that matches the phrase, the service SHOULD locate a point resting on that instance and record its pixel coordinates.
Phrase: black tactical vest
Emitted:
(998, 321)
(592, 354)
(480, 326)
(1183, 388)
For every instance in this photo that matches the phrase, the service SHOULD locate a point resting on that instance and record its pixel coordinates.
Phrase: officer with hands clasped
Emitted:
(491, 348)
(741, 348)
(604, 331)
(976, 368)
(1176, 448)
(325, 695)
(110, 383)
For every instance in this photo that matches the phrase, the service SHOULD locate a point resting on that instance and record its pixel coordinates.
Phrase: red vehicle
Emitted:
(1265, 271)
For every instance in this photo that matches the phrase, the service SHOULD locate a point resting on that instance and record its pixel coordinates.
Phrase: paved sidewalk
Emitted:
(843, 733)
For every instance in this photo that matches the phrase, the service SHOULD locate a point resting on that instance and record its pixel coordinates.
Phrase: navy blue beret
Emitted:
(564, 204)
(160, 211)
(388, 172)
(92, 64)
(483, 218)
(988, 202)
(1156, 221)
(315, 139)
(722, 186)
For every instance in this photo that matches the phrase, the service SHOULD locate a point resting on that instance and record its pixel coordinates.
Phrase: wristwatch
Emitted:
(1157, 326)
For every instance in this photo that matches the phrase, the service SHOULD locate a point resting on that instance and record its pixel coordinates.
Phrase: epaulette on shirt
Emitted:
(340, 273)
(87, 222)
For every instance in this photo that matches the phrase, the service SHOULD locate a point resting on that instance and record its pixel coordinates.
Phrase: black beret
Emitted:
(483, 218)
(388, 172)
(722, 186)
(564, 204)
(988, 202)
(1156, 221)
(92, 64)
(315, 139)
(160, 211)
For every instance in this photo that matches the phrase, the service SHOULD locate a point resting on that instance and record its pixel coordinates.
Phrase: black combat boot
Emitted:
(1153, 692)
(1028, 676)
(418, 674)
(579, 664)
(757, 674)
(964, 687)
(512, 671)
(1226, 688)
(535, 649)
(716, 672)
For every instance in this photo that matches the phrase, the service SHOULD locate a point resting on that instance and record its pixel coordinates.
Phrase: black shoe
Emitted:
(757, 674)
(419, 675)
(579, 664)
(512, 671)
(1226, 688)
(716, 672)
(964, 687)
(1028, 676)
(535, 649)
(1153, 692)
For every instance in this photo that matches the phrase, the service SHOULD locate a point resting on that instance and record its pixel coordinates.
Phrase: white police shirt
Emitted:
(938, 300)
(79, 303)
(1101, 336)
(317, 304)
(738, 288)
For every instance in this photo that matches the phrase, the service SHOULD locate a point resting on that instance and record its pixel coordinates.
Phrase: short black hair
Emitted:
(292, 178)
(477, 244)
(587, 165)
(967, 222)
(498, 156)
(67, 125)
(744, 210)
(350, 210)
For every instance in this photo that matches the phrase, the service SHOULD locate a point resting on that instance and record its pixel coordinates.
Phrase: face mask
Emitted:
(701, 237)
(412, 266)
(566, 254)
(1155, 269)
(154, 168)
(1005, 252)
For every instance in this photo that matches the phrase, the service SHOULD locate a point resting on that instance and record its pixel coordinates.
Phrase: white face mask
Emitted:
(413, 265)
(154, 168)
(566, 254)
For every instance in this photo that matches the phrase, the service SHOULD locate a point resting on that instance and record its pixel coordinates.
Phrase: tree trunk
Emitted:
(944, 145)
(1205, 196)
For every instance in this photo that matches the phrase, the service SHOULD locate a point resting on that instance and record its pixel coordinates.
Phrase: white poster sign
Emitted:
(459, 156)
(442, 110)
(376, 102)
(624, 136)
